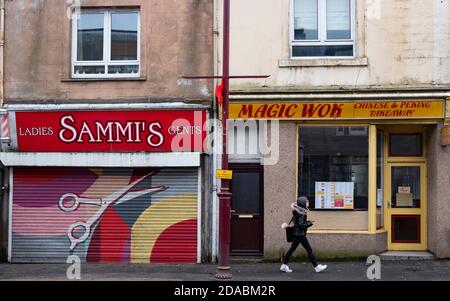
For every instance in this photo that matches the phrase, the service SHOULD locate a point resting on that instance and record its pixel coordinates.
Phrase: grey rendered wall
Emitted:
(176, 39)
(280, 189)
(438, 195)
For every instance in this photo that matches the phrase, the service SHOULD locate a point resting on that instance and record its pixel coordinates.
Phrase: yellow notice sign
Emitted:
(224, 174)
(408, 109)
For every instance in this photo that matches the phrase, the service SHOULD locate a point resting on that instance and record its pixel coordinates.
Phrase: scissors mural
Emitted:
(80, 231)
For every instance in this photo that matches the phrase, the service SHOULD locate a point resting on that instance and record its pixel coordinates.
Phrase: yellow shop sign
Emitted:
(339, 110)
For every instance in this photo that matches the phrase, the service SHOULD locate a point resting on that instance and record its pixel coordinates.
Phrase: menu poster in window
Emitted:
(335, 195)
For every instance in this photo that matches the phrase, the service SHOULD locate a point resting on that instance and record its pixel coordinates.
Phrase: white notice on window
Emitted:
(379, 197)
(335, 195)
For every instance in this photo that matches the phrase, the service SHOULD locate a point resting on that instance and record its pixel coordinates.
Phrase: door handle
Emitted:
(233, 211)
(246, 216)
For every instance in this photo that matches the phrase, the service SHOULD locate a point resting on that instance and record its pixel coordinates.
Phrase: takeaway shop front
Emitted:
(107, 186)
(371, 169)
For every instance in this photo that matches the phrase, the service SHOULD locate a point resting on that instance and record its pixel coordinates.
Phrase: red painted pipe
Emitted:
(223, 269)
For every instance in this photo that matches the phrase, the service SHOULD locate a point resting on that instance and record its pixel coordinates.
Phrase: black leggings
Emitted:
(305, 243)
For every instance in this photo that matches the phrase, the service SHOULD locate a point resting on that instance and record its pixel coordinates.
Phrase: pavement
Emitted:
(430, 270)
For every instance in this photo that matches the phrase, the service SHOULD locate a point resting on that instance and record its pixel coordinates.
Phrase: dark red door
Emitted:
(247, 204)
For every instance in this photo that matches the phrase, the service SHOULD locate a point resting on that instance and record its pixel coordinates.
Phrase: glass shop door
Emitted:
(406, 203)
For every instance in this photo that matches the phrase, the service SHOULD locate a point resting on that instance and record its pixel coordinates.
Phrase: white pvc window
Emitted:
(106, 44)
(322, 28)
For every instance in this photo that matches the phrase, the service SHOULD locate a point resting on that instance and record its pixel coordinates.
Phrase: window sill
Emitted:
(103, 79)
(357, 232)
(352, 62)
(337, 210)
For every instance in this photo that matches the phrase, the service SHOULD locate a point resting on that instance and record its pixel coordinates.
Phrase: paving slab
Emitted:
(435, 270)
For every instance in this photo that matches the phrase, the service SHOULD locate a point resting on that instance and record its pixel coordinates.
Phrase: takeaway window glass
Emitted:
(333, 167)
(306, 20)
(323, 28)
(409, 145)
(339, 19)
(405, 187)
(105, 43)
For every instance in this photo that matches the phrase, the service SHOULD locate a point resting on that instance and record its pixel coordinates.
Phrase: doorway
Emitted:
(247, 210)
(406, 191)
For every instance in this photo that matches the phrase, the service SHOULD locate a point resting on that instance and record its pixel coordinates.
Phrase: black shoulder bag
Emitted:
(290, 232)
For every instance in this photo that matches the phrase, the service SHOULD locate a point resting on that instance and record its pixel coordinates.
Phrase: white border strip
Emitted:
(10, 209)
(199, 216)
(101, 159)
(321, 95)
(108, 107)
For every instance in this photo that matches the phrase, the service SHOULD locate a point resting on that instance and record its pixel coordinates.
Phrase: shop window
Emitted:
(333, 167)
(380, 179)
(323, 28)
(405, 145)
(105, 44)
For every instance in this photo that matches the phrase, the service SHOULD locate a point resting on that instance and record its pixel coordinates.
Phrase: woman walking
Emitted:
(300, 211)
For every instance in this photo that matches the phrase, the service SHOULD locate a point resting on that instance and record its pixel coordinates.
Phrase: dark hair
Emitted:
(302, 201)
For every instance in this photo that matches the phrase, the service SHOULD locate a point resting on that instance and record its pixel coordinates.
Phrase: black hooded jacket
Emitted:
(301, 224)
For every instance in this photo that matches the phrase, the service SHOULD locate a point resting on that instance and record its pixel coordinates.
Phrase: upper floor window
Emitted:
(323, 28)
(105, 44)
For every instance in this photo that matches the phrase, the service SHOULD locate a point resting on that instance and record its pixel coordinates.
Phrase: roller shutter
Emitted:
(153, 218)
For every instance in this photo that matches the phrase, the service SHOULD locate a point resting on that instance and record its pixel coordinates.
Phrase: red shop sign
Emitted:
(111, 131)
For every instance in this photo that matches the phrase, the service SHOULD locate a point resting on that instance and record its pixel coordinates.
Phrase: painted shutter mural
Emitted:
(105, 215)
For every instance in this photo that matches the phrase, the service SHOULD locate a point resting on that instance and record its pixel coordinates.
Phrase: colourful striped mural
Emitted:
(105, 215)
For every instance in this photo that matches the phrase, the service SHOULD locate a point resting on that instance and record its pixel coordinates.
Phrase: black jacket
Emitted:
(301, 224)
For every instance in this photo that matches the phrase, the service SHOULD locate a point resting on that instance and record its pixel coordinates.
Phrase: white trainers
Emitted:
(320, 268)
(285, 268)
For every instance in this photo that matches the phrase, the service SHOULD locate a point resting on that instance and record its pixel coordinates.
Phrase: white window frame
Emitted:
(322, 32)
(107, 13)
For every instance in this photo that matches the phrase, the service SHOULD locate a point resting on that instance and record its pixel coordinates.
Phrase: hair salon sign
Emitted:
(111, 131)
